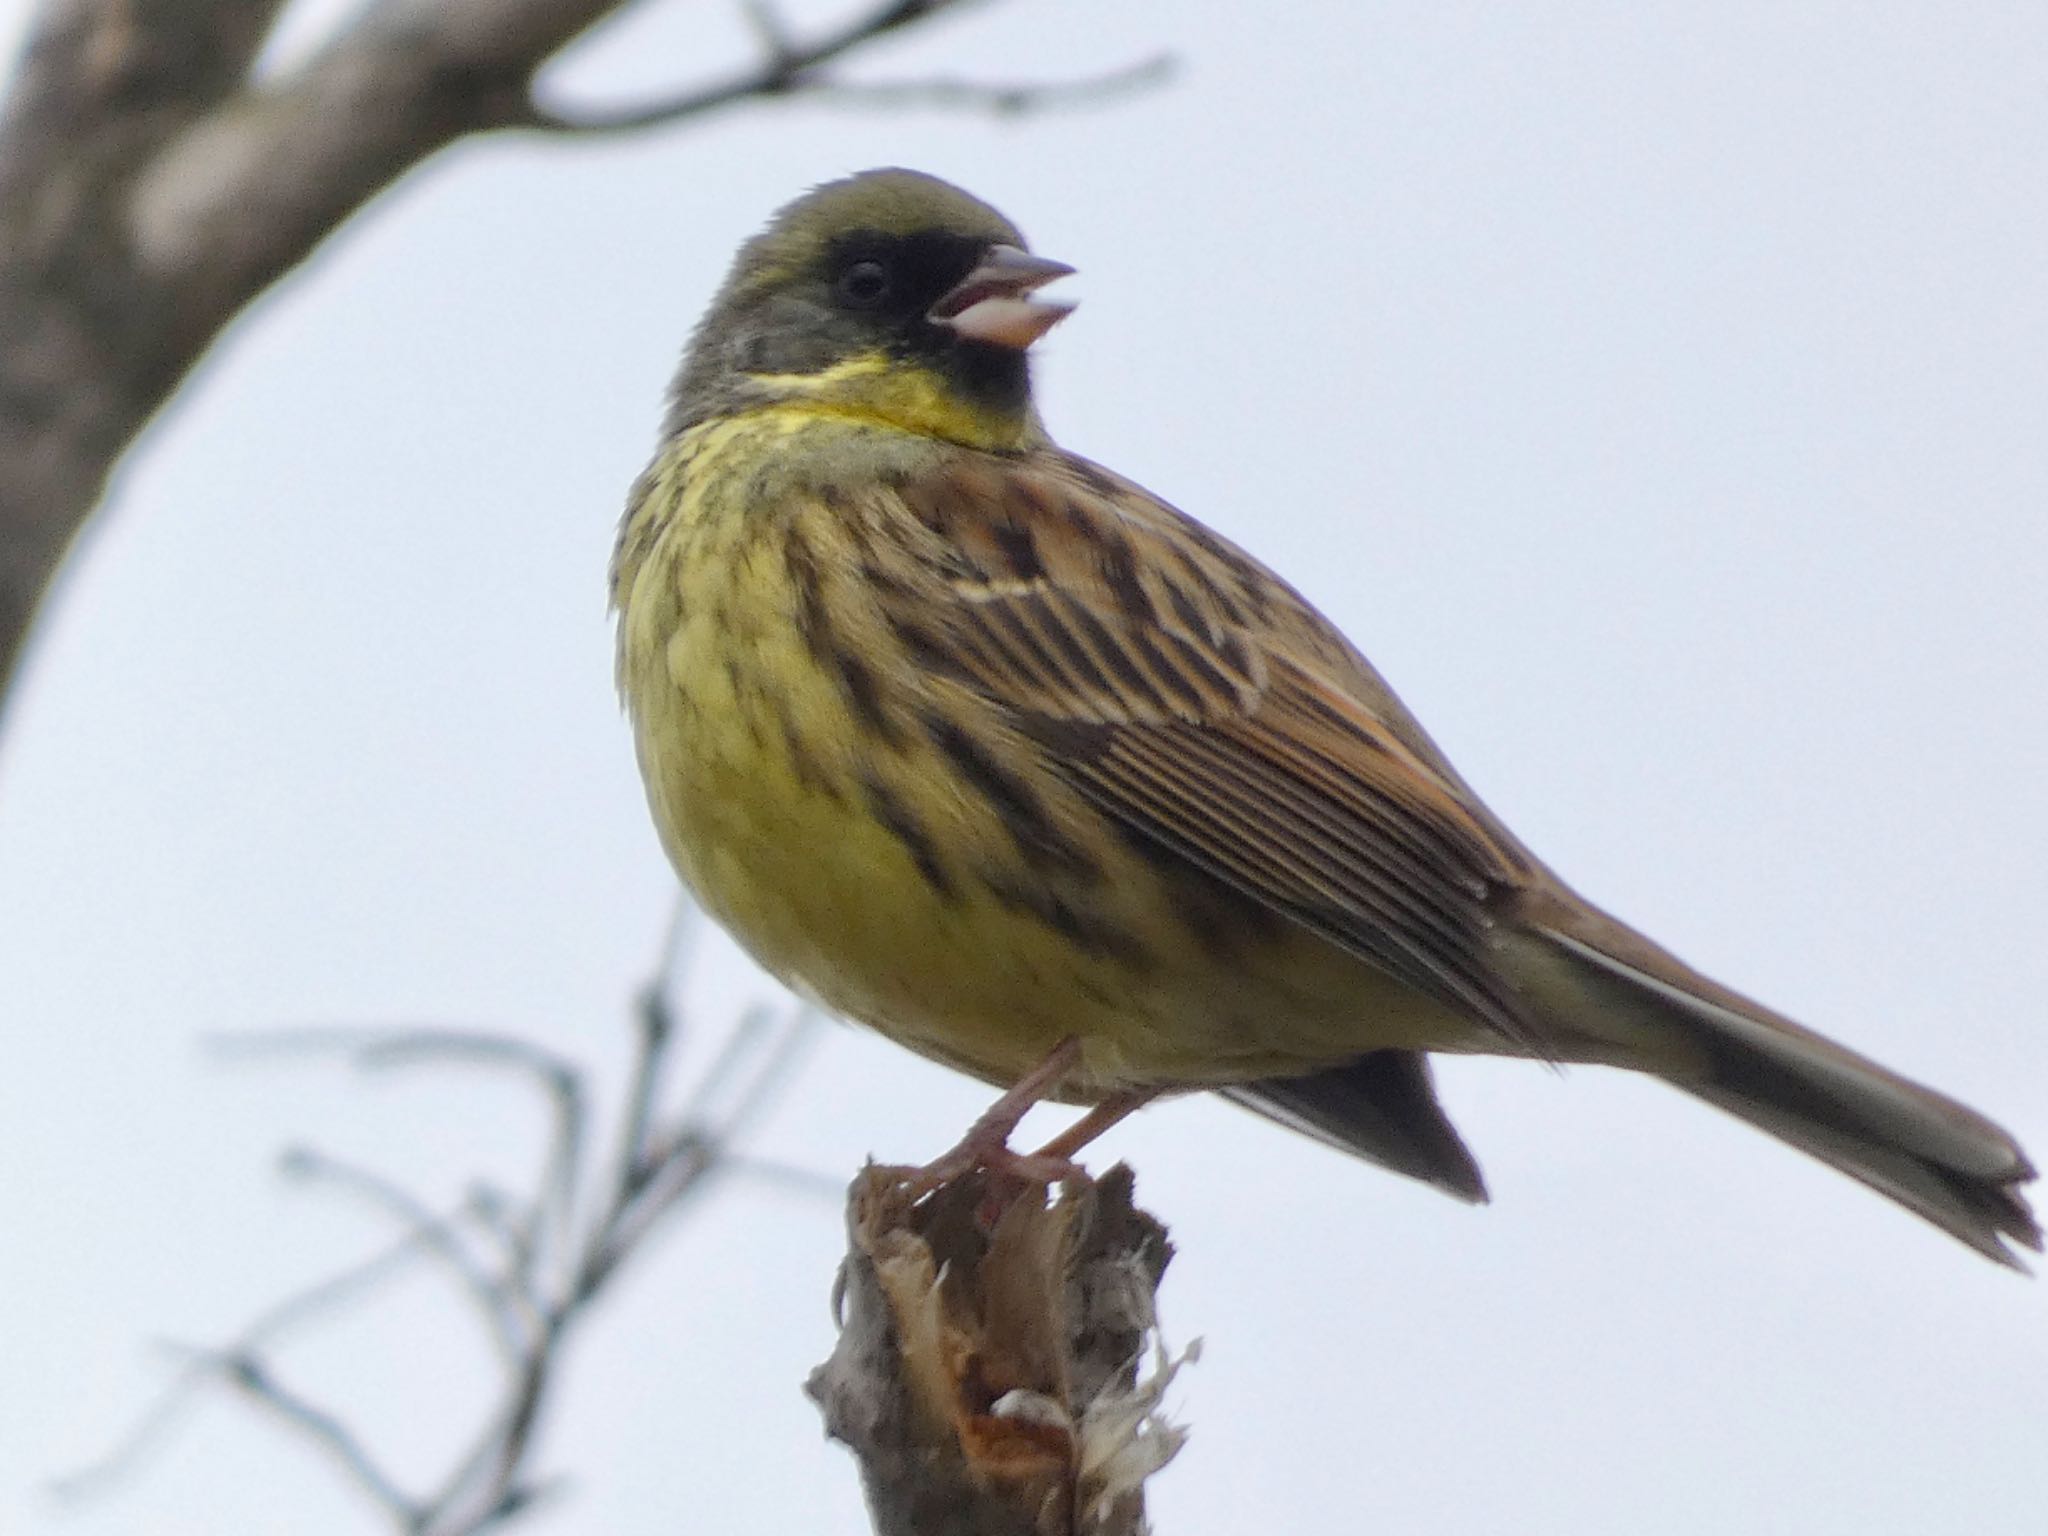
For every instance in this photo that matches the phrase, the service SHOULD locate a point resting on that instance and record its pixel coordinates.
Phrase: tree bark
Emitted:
(987, 1374)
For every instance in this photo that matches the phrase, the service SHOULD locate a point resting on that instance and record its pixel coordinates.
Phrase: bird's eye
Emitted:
(864, 284)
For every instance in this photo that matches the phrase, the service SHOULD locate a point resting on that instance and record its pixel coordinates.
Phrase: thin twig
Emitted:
(128, 1452)
(280, 1319)
(248, 1375)
(798, 1035)
(487, 1473)
(500, 1215)
(339, 1290)
(741, 1041)
(690, 1156)
(492, 1246)
(659, 1021)
(693, 1150)
(1012, 99)
(694, 1147)
(549, 1231)
(769, 30)
(485, 1485)
(396, 1045)
(506, 1309)
(789, 67)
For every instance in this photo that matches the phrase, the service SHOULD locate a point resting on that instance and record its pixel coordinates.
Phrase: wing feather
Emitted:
(1198, 701)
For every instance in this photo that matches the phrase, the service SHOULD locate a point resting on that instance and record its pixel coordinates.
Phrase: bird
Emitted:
(973, 741)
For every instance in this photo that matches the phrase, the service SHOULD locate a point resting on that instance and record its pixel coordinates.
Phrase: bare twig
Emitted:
(280, 1319)
(1017, 98)
(658, 1021)
(745, 1037)
(790, 1032)
(784, 66)
(503, 1304)
(399, 1048)
(678, 1162)
(248, 1375)
(795, 71)
(488, 1245)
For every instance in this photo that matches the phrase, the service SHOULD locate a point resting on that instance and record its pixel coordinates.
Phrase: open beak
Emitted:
(993, 303)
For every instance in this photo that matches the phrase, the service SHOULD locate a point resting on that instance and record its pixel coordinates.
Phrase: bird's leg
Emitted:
(1054, 1162)
(1116, 1107)
(987, 1142)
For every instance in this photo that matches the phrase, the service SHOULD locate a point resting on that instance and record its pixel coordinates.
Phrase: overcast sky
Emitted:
(1656, 391)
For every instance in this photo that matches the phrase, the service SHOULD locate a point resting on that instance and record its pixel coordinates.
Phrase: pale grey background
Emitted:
(1655, 391)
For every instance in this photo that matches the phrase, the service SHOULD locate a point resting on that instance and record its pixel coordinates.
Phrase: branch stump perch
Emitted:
(988, 1372)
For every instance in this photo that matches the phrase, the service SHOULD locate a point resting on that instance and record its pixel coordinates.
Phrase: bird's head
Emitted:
(890, 294)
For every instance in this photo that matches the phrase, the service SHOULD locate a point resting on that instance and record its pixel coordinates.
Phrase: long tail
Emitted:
(1632, 1003)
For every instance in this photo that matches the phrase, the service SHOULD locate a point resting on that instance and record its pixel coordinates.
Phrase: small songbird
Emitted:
(985, 746)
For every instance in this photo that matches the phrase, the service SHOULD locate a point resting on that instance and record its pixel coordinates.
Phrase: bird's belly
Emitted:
(828, 900)
(864, 874)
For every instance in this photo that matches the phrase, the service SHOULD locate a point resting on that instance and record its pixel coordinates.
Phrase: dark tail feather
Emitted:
(1937, 1158)
(1383, 1108)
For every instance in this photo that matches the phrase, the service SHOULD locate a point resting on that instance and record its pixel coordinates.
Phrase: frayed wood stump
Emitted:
(987, 1377)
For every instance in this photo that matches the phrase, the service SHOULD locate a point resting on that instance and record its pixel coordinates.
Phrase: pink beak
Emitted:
(993, 303)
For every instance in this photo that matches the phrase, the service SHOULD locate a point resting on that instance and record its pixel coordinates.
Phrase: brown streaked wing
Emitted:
(1196, 699)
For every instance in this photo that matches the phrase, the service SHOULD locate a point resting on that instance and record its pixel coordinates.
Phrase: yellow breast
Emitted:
(812, 792)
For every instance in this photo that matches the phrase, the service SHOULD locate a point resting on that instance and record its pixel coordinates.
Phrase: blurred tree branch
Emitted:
(988, 1370)
(530, 1266)
(153, 184)
(988, 1373)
